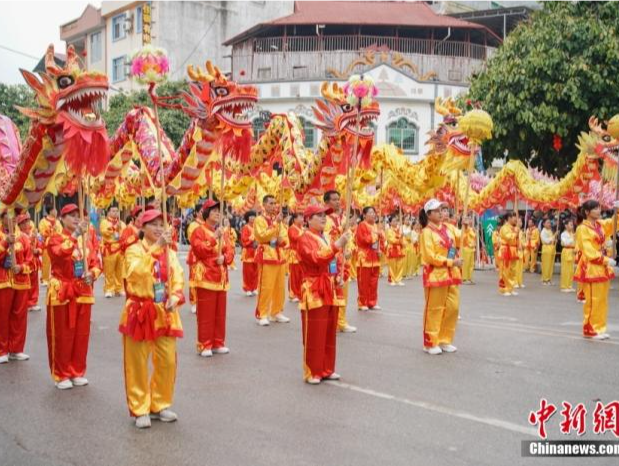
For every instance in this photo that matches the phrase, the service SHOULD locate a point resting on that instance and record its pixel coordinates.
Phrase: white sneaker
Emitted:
(64, 384)
(121, 293)
(221, 350)
(364, 308)
(506, 294)
(516, 286)
(109, 295)
(599, 336)
(334, 376)
(433, 350)
(207, 353)
(523, 286)
(348, 329)
(255, 292)
(34, 309)
(194, 308)
(79, 381)
(606, 336)
(264, 322)
(165, 415)
(392, 284)
(281, 318)
(295, 300)
(448, 348)
(514, 293)
(313, 381)
(142, 422)
(249, 293)
(400, 283)
(4, 359)
(376, 308)
(18, 356)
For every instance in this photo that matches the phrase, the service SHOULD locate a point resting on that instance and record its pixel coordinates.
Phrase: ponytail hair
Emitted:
(585, 208)
(423, 218)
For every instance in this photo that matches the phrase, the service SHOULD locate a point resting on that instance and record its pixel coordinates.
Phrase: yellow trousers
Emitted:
(507, 274)
(341, 315)
(396, 269)
(440, 315)
(468, 263)
(519, 272)
(548, 261)
(113, 271)
(46, 267)
(271, 290)
(416, 263)
(408, 262)
(530, 259)
(155, 393)
(595, 309)
(567, 269)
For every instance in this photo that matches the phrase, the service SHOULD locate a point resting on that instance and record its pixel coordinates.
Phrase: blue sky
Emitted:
(29, 27)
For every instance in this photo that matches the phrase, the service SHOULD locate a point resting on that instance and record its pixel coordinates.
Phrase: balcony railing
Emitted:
(315, 57)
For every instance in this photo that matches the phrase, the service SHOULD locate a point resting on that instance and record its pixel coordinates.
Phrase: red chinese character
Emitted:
(605, 418)
(573, 418)
(546, 410)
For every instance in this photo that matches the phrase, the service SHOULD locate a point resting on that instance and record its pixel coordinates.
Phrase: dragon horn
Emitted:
(50, 64)
(71, 58)
(212, 70)
(440, 107)
(596, 127)
(32, 80)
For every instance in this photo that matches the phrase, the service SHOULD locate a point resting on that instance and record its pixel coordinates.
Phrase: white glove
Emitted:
(612, 262)
(608, 244)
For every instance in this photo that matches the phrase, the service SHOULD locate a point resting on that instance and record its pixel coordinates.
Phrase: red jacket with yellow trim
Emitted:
(206, 273)
(23, 257)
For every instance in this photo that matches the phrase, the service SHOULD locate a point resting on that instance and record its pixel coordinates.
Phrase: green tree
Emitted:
(551, 74)
(16, 94)
(174, 122)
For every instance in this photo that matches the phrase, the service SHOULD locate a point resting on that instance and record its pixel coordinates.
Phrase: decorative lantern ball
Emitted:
(360, 90)
(613, 127)
(150, 65)
(477, 125)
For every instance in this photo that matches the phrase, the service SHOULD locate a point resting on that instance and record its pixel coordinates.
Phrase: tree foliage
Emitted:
(12, 95)
(174, 122)
(551, 74)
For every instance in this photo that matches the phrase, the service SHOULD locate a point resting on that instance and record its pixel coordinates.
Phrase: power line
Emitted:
(19, 53)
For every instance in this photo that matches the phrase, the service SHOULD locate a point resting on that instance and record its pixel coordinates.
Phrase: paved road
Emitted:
(395, 405)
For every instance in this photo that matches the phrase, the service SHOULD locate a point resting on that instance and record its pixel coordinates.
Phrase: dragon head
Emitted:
(607, 139)
(68, 92)
(448, 133)
(212, 94)
(336, 116)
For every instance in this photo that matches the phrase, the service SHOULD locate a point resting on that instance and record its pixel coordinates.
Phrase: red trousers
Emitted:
(319, 326)
(67, 342)
(211, 317)
(295, 278)
(13, 320)
(250, 276)
(33, 297)
(367, 282)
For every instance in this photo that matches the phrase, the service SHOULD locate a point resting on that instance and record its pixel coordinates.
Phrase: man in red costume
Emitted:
(248, 255)
(27, 227)
(320, 303)
(70, 298)
(15, 267)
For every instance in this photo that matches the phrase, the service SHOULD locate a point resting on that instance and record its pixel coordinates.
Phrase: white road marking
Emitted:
(508, 319)
(505, 425)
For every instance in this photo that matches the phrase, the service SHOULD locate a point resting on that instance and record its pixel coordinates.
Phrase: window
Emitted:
(259, 126)
(118, 27)
(309, 141)
(139, 20)
(403, 134)
(95, 47)
(118, 69)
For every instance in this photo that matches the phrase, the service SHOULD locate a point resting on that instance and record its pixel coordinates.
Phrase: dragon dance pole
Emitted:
(457, 196)
(80, 202)
(352, 163)
(465, 209)
(615, 214)
(221, 201)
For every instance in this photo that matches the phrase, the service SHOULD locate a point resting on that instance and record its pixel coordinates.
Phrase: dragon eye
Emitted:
(606, 138)
(65, 81)
(220, 91)
(346, 107)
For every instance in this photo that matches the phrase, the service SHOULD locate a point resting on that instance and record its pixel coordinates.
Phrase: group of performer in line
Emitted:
(321, 251)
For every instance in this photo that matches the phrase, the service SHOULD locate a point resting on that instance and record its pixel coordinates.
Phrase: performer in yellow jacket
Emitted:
(508, 254)
(395, 252)
(441, 279)
(549, 252)
(469, 243)
(568, 242)
(532, 246)
(111, 228)
(519, 278)
(48, 225)
(594, 270)
(271, 259)
(150, 322)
